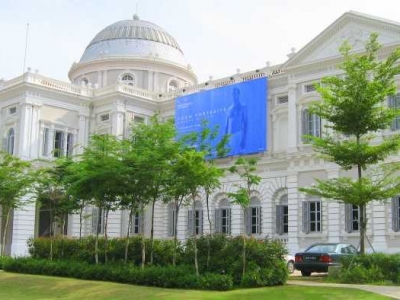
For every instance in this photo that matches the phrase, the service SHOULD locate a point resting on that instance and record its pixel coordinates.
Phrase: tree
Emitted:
(51, 193)
(15, 183)
(193, 169)
(207, 142)
(354, 109)
(245, 168)
(155, 148)
(133, 192)
(97, 176)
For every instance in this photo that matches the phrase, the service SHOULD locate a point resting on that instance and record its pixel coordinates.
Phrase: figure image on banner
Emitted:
(236, 124)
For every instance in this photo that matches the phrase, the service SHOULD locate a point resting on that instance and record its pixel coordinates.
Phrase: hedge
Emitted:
(167, 277)
(264, 258)
(369, 268)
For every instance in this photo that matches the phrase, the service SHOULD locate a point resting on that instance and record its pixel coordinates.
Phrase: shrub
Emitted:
(369, 268)
(168, 277)
(264, 257)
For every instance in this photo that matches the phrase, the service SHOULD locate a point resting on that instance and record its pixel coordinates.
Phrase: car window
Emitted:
(322, 248)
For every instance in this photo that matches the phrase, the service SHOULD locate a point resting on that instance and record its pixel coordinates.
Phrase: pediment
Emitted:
(353, 27)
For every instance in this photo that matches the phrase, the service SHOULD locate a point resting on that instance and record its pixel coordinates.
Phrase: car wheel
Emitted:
(290, 266)
(305, 273)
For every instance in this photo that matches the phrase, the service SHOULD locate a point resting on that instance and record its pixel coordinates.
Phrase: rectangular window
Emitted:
(396, 214)
(45, 141)
(352, 217)
(58, 144)
(283, 99)
(223, 220)
(136, 224)
(308, 88)
(198, 222)
(253, 215)
(171, 221)
(312, 216)
(97, 220)
(104, 117)
(282, 219)
(311, 124)
(138, 120)
(394, 102)
(12, 110)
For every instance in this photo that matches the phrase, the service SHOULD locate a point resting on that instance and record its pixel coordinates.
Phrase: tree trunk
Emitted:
(152, 232)
(80, 222)
(106, 237)
(210, 236)
(363, 228)
(96, 247)
(244, 243)
(196, 264)
(127, 235)
(143, 240)
(175, 234)
(51, 233)
(4, 237)
(363, 221)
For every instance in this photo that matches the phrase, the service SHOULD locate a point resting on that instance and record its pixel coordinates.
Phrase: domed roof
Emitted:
(134, 38)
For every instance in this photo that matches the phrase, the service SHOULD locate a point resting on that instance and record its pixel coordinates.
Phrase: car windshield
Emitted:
(322, 248)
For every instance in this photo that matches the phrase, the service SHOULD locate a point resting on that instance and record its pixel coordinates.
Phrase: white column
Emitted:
(332, 226)
(156, 83)
(150, 84)
(82, 133)
(65, 141)
(292, 119)
(293, 212)
(376, 227)
(50, 142)
(35, 129)
(117, 128)
(23, 228)
(25, 123)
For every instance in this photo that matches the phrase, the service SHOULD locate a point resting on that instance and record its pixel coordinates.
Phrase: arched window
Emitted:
(282, 216)
(195, 219)
(128, 79)
(253, 217)
(172, 85)
(84, 81)
(223, 217)
(10, 141)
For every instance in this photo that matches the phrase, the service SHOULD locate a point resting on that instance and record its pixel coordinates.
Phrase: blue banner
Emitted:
(239, 110)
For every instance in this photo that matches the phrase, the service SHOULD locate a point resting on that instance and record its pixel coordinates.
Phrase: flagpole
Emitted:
(26, 46)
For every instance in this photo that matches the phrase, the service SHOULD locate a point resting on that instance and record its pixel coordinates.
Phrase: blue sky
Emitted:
(216, 36)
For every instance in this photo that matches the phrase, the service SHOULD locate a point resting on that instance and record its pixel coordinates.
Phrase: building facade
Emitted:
(134, 68)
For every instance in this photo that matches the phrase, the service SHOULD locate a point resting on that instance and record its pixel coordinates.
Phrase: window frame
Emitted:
(310, 124)
(396, 214)
(394, 103)
(312, 216)
(197, 214)
(282, 216)
(352, 217)
(10, 141)
(223, 218)
(253, 217)
(58, 144)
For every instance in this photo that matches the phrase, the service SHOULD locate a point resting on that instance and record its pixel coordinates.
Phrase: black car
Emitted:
(319, 257)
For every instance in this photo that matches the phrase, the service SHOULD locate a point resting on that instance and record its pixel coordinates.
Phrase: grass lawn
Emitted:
(20, 286)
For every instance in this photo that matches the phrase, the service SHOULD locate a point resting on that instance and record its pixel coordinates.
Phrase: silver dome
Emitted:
(134, 38)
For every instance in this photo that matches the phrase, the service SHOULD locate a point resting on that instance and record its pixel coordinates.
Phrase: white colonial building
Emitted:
(133, 68)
